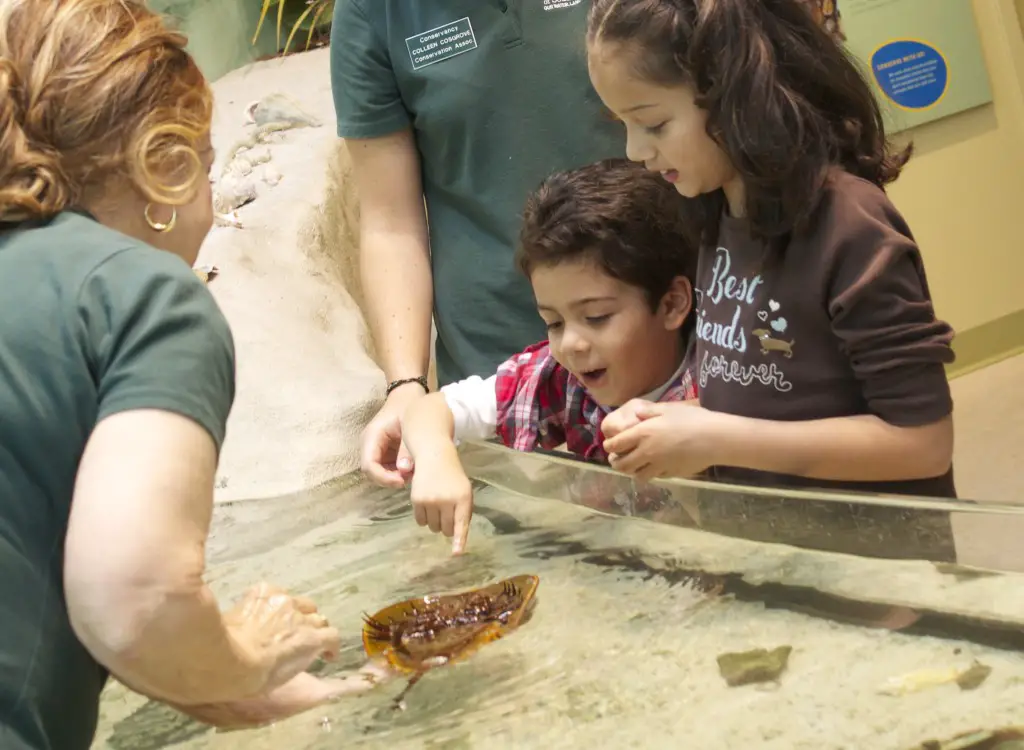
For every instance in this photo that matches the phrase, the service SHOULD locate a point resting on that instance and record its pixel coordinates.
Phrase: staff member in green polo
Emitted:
(464, 106)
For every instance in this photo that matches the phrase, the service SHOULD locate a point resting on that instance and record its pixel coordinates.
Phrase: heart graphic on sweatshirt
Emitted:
(779, 325)
(762, 315)
(774, 305)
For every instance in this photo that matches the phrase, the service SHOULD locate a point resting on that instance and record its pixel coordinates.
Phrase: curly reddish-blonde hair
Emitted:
(96, 93)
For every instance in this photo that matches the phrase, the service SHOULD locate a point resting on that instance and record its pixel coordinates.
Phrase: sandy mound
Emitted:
(287, 282)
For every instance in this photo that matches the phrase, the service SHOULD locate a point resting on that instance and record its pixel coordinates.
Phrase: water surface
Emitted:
(621, 650)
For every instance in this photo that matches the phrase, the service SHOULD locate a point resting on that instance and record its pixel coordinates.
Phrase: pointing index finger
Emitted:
(463, 513)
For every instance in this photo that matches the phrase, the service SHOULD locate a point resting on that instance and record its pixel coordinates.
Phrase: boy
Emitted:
(603, 248)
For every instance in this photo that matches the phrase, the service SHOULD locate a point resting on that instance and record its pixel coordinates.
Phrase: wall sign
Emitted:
(923, 56)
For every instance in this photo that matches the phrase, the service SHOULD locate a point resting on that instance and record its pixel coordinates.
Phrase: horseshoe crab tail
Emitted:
(400, 700)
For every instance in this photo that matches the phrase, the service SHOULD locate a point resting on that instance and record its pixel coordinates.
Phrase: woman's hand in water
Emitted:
(281, 635)
(652, 440)
(301, 693)
(442, 496)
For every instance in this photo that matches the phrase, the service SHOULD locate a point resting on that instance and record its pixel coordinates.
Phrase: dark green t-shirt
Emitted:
(498, 96)
(91, 323)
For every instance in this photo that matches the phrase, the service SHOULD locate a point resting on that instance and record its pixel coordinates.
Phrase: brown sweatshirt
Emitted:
(842, 324)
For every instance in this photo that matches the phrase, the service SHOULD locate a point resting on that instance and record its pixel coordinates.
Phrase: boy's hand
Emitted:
(674, 439)
(442, 498)
(383, 456)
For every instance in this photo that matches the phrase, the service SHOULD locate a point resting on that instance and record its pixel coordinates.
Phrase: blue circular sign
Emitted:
(911, 74)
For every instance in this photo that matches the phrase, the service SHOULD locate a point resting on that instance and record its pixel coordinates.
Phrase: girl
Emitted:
(818, 355)
(604, 251)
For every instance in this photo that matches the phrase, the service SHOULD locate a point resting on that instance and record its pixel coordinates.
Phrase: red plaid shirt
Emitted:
(540, 403)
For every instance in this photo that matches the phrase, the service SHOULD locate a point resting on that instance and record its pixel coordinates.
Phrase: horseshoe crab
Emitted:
(417, 635)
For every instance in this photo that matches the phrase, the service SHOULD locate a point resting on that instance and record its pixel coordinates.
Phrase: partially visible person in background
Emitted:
(455, 111)
(605, 251)
(116, 380)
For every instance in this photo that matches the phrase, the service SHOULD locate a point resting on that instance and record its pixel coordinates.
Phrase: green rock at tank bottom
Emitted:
(972, 678)
(749, 667)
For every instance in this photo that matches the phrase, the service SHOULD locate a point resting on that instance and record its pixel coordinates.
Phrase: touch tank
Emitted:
(680, 614)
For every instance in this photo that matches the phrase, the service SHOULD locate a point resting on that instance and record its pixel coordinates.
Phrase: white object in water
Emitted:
(920, 680)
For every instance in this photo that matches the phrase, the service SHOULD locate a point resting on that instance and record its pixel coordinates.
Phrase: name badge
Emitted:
(441, 43)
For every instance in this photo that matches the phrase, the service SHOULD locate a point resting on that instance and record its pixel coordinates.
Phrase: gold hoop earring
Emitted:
(156, 226)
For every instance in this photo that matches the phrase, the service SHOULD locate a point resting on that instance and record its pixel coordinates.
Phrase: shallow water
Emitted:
(621, 649)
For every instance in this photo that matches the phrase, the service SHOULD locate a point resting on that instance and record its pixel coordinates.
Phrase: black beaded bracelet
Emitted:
(422, 380)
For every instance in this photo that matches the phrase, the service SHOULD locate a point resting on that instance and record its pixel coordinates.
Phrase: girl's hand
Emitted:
(624, 417)
(631, 414)
(677, 439)
(442, 498)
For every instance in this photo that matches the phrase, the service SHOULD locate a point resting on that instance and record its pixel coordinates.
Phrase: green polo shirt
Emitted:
(92, 323)
(498, 96)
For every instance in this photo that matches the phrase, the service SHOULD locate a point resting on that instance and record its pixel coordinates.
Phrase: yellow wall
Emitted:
(963, 192)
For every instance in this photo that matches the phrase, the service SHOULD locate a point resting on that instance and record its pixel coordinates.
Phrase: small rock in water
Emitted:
(749, 667)
(972, 677)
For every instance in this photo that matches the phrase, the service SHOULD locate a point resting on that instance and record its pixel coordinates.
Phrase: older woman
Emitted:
(116, 379)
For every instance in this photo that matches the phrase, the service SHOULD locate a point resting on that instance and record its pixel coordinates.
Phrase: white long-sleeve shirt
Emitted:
(474, 404)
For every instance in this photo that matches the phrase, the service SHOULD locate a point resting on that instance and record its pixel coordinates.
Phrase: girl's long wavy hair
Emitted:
(784, 100)
(94, 92)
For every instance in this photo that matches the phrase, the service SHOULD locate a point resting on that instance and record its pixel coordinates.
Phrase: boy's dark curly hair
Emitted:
(616, 213)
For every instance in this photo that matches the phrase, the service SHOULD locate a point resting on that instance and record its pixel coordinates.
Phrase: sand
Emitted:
(307, 383)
